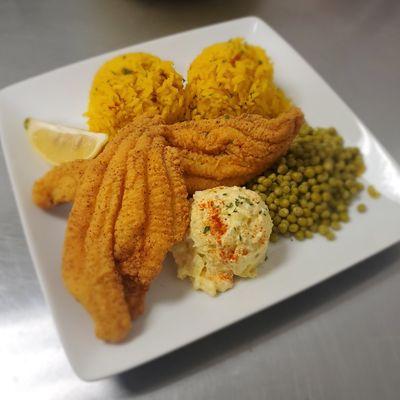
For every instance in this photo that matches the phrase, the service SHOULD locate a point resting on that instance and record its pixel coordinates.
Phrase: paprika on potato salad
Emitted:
(228, 235)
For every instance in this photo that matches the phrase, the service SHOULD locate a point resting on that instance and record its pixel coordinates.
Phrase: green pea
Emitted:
(298, 211)
(336, 225)
(274, 237)
(284, 203)
(343, 216)
(299, 235)
(326, 196)
(302, 221)
(293, 198)
(283, 227)
(310, 205)
(330, 235)
(303, 188)
(312, 182)
(303, 203)
(293, 228)
(309, 172)
(261, 188)
(308, 234)
(316, 197)
(325, 214)
(315, 188)
(319, 209)
(323, 229)
(297, 176)
(361, 208)
(314, 228)
(272, 206)
(335, 217)
(282, 169)
(283, 212)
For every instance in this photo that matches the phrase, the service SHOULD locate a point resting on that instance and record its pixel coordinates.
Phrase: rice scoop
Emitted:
(232, 78)
(132, 85)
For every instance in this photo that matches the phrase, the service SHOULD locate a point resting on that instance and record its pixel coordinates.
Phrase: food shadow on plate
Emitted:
(61, 211)
(276, 256)
(165, 289)
(258, 329)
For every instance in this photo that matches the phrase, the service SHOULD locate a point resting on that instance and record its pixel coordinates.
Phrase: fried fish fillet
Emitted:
(130, 207)
(214, 152)
(154, 215)
(231, 151)
(59, 185)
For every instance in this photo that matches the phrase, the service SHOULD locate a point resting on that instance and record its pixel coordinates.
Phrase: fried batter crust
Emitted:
(231, 151)
(120, 228)
(222, 151)
(59, 185)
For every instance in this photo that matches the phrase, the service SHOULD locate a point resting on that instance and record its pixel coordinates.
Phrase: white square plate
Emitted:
(175, 314)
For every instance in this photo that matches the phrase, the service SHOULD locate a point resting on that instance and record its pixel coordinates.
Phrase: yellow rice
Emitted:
(232, 78)
(131, 85)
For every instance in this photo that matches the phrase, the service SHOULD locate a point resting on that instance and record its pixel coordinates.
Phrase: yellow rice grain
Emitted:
(232, 77)
(131, 85)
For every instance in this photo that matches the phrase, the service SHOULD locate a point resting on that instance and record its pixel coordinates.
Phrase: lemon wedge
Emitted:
(58, 144)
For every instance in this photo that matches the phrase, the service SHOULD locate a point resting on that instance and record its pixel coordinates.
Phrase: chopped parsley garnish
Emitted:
(126, 71)
(206, 229)
(246, 200)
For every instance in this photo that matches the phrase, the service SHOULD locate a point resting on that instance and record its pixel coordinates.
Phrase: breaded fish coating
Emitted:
(120, 228)
(223, 151)
(229, 151)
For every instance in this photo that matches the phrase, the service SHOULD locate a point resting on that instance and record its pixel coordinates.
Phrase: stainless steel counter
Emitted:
(340, 340)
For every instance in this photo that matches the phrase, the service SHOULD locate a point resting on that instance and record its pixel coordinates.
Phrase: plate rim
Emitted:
(252, 20)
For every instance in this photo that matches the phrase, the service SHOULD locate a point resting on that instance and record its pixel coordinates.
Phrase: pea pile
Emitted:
(310, 189)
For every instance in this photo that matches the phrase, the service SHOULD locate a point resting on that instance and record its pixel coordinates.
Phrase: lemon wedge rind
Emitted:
(58, 144)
